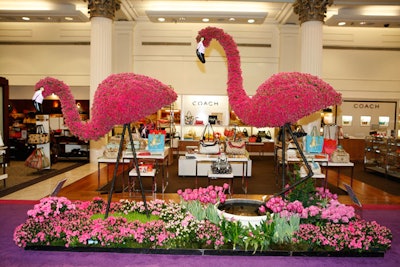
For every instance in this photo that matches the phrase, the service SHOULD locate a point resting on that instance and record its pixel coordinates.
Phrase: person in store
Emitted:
(38, 100)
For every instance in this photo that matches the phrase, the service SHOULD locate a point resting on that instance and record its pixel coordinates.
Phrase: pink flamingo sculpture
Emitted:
(284, 98)
(119, 99)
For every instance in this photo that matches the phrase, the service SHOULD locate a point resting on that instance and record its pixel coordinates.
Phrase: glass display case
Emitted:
(382, 155)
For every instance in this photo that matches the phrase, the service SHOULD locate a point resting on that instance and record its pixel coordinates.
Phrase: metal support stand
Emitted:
(310, 172)
(135, 160)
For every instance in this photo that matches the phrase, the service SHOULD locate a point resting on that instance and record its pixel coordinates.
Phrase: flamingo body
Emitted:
(284, 98)
(119, 99)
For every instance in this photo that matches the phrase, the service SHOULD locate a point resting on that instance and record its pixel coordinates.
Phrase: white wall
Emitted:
(356, 73)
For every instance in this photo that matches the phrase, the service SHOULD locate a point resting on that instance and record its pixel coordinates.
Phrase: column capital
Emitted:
(103, 8)
(309, 10)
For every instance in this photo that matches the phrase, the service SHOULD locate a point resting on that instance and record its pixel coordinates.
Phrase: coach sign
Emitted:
(359, 118)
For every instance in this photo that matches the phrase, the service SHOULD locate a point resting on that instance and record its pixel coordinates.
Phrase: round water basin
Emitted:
(243, 210)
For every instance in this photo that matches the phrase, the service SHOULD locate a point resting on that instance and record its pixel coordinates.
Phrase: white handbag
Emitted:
(209, 147)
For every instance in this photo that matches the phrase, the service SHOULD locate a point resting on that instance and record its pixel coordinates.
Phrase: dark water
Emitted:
(241, 207)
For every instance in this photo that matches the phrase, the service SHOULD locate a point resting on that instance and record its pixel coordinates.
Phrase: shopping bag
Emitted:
(37, 160)
(330, 140)
(156, 142)
(314, 141)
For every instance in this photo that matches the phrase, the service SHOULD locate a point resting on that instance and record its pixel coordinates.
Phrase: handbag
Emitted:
(221, 166)
(40, 137)
(235, 147)
(37, 160)
(252, 139)
(206, 146)
(189, 118)
(209, 147)
(314, 141)
(330, 143)
(340, 155)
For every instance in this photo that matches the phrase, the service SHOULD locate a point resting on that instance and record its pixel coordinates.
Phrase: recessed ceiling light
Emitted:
(342, 23)
(232, 19)
(205, 19)
(251, 20)
(161, 19)
(26, 18)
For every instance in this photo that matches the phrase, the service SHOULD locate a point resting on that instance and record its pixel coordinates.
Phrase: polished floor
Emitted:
(82, 184)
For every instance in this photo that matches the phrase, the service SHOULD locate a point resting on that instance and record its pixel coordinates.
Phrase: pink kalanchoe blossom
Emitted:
(284, 98)
(119, 99)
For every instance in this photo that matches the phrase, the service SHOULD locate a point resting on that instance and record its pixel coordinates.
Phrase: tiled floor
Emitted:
(44, 188)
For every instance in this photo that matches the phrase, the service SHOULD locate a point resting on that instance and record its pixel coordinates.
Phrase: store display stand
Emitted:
(44, 120)
(136, 164)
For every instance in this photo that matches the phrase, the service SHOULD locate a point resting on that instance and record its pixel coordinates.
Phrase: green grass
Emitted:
(130, 217)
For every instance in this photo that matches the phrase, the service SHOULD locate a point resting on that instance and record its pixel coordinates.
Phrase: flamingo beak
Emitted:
(200, 50)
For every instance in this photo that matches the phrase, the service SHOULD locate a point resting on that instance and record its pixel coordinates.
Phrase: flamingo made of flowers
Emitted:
(119, 99)
(284, 98)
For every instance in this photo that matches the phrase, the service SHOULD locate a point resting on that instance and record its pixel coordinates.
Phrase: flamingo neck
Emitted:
(70, 113)
(236, 93)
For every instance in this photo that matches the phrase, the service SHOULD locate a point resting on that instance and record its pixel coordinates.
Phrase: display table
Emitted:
(338, 165)
(199, 165)
(160, 160)
(108, 162)
(319, 158)
(133, 174)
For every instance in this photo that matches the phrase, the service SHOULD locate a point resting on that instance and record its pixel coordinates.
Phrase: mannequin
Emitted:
(38, 100)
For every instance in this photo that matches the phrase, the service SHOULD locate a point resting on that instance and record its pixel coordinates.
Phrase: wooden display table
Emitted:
(338, 165)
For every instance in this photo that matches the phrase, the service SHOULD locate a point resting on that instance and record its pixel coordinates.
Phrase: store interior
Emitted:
(367, 118)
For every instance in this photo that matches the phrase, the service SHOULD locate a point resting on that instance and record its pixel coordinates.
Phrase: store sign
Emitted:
(366, 106)
(205, 103)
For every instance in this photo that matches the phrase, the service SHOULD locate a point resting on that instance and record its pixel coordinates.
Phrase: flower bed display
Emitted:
(321, 227)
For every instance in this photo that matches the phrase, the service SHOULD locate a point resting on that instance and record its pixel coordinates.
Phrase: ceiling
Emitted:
(355, 13)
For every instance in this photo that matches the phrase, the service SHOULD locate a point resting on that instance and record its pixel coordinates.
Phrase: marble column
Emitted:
(101, 19)
(311, 47)
(311, 15)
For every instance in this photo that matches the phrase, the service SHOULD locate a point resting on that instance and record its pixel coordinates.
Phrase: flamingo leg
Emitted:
(119, 156)
(135, 160)
(303, 157)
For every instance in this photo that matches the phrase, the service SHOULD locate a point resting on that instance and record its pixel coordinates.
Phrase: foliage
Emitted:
(130, 217)
(195, 223)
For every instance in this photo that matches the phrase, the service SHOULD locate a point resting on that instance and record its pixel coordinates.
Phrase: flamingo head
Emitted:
(203, 40)
(50, 86)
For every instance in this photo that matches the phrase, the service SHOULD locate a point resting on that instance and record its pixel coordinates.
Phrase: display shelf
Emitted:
(382, 155)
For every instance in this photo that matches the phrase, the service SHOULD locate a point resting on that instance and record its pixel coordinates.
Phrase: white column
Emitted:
(311, 62)
(311, 47)
(100, 67)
